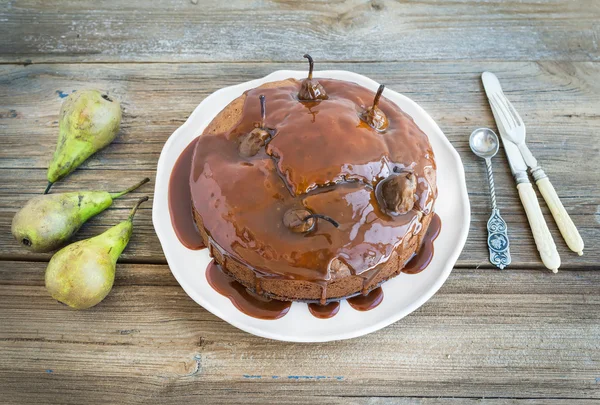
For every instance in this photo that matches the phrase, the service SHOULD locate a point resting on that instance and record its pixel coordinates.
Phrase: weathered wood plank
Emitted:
(518, 333)
(235, 397)
(559, 102)
(282, 30)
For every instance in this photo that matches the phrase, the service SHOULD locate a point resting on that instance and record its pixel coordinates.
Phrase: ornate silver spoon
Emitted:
(484, 143)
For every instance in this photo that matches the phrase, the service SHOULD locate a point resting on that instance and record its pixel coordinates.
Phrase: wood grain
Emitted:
(558, 101)
(282, 30)
(515, 334)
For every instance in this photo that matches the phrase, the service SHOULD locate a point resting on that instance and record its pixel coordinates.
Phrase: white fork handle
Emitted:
(562, 218)
(539, 228)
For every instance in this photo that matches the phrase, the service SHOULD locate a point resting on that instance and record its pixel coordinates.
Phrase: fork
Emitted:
(515, 132)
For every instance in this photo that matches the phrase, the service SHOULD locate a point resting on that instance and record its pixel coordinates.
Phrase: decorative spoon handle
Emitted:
(490, 174)
(497, 235)
(498, 240)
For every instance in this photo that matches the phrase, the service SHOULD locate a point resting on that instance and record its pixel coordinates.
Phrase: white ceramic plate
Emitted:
(402, 295)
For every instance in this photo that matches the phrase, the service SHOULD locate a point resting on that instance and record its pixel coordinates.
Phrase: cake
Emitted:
(312, 190)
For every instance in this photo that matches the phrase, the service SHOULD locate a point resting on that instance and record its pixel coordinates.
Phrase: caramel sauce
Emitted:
(255, 305)
(247, 302)
(367, 302)
(423, 257)
(180, 200)
(324, 311)
(321, 157)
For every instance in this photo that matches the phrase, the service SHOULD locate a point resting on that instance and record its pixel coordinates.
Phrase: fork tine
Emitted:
(510, 109)
(500, 113)
(514, 112)
(506, 111)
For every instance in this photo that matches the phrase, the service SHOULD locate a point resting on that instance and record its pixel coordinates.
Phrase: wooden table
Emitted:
(520, 336)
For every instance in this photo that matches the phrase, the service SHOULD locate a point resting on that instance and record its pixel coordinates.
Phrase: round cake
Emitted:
(313, 190)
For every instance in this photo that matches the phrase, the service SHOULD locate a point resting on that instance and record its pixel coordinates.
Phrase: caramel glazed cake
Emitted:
(312, 191)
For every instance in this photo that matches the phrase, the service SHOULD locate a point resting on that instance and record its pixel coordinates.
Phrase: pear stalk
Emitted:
(135, 207)
(374, 116)
(311, 65)
(263, 110)
(378, 95)
(130, 189)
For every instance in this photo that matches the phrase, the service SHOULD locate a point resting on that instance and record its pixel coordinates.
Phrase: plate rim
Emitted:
(160, 188)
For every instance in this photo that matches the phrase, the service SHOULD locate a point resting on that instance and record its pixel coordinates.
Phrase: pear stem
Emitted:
(130, 189)
(135, 207)
(321, 216)
(48, 187)
(311, 65)
(263, 110)
(378, 95)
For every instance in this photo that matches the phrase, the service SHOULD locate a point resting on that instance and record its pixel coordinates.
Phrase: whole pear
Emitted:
(89, 120)
(82, 273)
(48, 221)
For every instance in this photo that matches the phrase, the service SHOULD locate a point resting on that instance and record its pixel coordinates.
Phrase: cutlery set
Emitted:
(484, 143)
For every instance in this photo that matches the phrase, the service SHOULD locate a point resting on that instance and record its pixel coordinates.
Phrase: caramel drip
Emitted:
(323, 299)
(424, 255)
(258, 284)
(249, 303)
(324, 311)
(224, 264)
(180, 201)
(367, 302)
(366, 281)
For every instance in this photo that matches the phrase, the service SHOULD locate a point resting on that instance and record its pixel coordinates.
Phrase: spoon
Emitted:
(484, 143)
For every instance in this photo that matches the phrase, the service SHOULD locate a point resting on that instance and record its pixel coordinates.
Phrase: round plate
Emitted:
(402, 294)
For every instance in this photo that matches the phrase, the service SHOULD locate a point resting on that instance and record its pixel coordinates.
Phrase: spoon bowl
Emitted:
(484, 143)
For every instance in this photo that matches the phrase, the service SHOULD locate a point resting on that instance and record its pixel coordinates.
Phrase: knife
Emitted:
(541, 234)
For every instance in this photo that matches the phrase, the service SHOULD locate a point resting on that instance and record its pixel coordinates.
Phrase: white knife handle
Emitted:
(562, 218)
(539, 229)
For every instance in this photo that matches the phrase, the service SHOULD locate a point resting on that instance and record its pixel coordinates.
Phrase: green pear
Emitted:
(48, 221)
(89, 120)
(82, 273)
